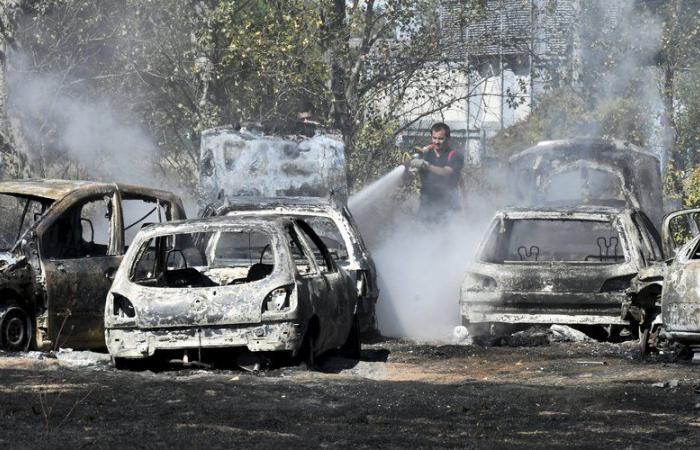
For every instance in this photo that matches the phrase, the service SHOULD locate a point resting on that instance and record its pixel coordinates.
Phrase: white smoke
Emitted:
(61, 127)
(420, 265)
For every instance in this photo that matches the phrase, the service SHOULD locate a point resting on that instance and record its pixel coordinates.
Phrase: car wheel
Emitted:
(16, 330)
(352, 348)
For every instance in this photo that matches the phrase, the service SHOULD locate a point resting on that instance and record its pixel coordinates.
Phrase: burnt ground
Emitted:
(401, 395)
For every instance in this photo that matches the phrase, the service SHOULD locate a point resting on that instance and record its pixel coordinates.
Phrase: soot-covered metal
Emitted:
(62, 242)
(265, 284)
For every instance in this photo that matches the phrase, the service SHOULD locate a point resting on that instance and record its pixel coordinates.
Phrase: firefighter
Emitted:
(440, 171)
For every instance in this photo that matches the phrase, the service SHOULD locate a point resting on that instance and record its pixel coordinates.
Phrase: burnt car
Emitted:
(261, 284)
(336, 227)
(588, 171)
(680, 298)
(586, 265)
(62, 241)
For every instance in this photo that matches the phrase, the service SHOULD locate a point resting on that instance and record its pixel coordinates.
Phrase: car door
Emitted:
(679, 298)
(678, 228)
(80, 252)
(335, 301)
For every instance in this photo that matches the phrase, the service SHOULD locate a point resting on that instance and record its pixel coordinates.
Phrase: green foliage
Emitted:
(692, 189)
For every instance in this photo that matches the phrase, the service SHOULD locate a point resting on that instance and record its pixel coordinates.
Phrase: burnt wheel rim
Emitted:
(15, 334)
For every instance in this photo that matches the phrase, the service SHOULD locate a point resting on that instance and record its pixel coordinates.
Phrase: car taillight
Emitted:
(476, 282)
(122, 306)
(278, 299)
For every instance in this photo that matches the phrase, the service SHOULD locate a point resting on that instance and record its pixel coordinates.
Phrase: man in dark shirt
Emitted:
(440, 172)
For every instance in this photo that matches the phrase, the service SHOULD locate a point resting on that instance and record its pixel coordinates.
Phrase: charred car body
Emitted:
(335, 226)
(585, 253)
(265, 284)
(588, 171)
(680, 298)
(296, 176)
(584, 266)
(62, 242)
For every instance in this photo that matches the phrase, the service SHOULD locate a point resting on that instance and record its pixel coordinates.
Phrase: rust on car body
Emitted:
(62, 243)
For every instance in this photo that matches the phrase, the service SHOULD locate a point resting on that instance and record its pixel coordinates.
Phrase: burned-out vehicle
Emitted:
(570, 172)
(62, 242)
(264, 284)
(248, 172)
(242, 163)
(680, 298)
(335, 226)
(588, 265)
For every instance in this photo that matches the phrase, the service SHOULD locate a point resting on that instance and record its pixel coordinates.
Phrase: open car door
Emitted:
(678, 228)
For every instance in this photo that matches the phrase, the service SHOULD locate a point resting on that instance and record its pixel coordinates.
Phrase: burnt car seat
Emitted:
(258, 271)
(187, 277)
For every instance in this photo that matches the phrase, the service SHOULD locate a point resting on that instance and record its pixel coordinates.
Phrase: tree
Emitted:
(176, 67)
(12, 161)
(614, 90)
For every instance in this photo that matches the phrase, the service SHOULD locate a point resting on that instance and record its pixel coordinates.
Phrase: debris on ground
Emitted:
(460, 336)
(563, 333)
(73, 358)
(531, 337)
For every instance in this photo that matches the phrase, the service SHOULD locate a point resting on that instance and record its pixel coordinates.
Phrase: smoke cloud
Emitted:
(61, 127)
(420, 265)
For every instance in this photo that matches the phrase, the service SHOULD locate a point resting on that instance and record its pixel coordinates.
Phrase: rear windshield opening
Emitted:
(543, 240)
(208, 259)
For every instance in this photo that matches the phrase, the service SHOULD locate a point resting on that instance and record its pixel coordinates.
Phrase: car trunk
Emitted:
(215, 306)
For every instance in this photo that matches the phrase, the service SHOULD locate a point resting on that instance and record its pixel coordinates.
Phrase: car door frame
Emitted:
(76, 289)
(335, 305)
(669, 247)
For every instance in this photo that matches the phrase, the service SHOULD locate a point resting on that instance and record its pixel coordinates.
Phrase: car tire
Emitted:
(352, 348)
(16, 330)
(306, 352)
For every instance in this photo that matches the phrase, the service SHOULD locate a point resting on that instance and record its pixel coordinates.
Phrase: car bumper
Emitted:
(685, 337)
(542, 307)
(138, 343)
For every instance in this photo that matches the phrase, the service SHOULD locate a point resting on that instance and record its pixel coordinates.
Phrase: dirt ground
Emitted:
(399, 395)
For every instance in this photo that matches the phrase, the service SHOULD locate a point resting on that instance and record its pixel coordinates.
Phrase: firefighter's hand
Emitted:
(419, 164)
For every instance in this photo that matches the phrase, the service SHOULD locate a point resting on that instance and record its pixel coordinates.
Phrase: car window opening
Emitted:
(525, 241)
(17, 215)
(206, 259)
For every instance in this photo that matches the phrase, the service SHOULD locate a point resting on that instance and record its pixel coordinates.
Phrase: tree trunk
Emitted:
(13, 162)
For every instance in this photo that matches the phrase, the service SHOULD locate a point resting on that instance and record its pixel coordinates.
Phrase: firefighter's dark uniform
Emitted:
(441, 195)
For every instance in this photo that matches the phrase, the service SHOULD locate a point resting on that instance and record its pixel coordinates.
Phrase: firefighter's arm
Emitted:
(445, 171)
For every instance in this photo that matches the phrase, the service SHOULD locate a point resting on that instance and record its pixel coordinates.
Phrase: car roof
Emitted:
(217, 221)
(587, 147)
(554, 210)
(55, 189)
(238, 203)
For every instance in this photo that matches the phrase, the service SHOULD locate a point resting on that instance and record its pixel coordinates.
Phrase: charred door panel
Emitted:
(80, 254)
(76, 290)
